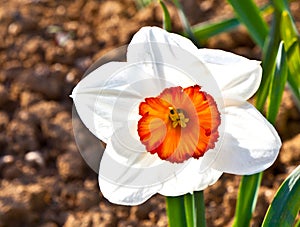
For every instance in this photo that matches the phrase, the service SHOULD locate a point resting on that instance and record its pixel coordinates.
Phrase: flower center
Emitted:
(177, 117)
(179, 123)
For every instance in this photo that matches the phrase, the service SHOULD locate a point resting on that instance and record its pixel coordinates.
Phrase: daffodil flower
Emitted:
(174, 118)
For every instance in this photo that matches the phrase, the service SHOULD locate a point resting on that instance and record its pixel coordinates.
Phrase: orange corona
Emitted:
(179, 123)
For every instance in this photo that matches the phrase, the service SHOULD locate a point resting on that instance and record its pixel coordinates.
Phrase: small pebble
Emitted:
(35, 157)
(6, 159)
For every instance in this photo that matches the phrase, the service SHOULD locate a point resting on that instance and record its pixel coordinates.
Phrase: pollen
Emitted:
(177, 117)
(179, 124)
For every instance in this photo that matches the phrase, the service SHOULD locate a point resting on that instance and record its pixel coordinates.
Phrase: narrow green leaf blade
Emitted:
(247, 198)
(205, 31)
(293, 72)
(167, 25)
(190, 213)
(286, 203)
(293, 57)
(185, 23)
(290, 37)
(294, 86)
(288, 29)
(280, 5)
(248, 13)
(200, 208)
(269, 59)
(297, 223)
(277, 84)
(176, 211)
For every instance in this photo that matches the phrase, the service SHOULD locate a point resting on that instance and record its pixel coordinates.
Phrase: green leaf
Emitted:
(195, 209)
(277, 84)
(288, 29)
(286, 203)
(200, 208)
(166, 17)
(185, 23)
(190, 213)
(294, 86)
(269, 59)
(280, 5)
(246, 201)
(204, 31)
(248, 13)
(290, 37)
(297, 223)
(176, 211)
(293, 74)
(187, 210)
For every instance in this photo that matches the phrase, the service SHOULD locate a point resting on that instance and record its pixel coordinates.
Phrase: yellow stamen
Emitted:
(177, 117)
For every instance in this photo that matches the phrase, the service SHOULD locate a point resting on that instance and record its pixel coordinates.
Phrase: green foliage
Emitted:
(190, 211)
(205, 31)
(249, 14)
(246, 199)
(187, 210)
(277, 84)
(185, 23)
(285, 206)
(200, 208)
(297, 223)
(176, 211)
(268, 63)
(166, 17)
(290, 37)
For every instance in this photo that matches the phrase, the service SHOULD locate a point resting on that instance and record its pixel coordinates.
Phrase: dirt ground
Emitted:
(45, 48)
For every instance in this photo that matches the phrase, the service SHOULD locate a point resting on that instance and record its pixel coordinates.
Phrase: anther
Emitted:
(177, 117)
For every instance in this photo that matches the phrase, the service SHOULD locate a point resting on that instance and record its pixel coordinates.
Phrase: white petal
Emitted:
(250, 145)
(134, 166)
(168, 50)
(106, 97)
(123, 195)
(236, 76)
(86, 92)
(129, 177)
(147, 43)
(125, 148)
(190, 178)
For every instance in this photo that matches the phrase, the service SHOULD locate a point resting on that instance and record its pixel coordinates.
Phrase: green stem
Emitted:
(246, 200)
(200, 209)
(176, 211)
(190, 214)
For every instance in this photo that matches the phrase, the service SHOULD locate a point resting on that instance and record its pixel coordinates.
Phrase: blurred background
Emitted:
(45, 48)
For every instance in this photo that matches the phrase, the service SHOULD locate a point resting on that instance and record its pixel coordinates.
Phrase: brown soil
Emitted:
(45, 48)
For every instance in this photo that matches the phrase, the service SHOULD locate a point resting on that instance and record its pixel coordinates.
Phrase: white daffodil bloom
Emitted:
(174, 118)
